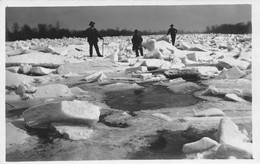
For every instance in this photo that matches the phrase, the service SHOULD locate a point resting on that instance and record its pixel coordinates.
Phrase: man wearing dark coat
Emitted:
(93, 36)
(172, 31)
(137, 43)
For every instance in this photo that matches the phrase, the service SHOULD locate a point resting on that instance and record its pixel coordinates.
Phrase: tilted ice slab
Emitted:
(76, 111)
(105, 65)
(185, 88)
(14, 79)
(121, 87)
(41, 71)
(209, 113)
(199, 146)
(40, 59)
(74, 132)
(12, 133)
(52, 90)
(227, 83)
(229, 133)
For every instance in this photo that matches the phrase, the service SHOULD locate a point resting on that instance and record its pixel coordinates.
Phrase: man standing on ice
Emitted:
(137, 43)
(173, 33)
(93, 36)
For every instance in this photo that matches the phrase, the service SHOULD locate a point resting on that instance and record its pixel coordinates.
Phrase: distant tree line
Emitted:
(25, 32)
(239, 28)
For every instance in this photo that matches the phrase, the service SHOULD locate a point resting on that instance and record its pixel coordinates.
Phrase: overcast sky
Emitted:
(187, 18)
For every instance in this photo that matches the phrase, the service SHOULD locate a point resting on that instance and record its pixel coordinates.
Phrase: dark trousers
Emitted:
(91, 44)
(137, 49)
(173, 39)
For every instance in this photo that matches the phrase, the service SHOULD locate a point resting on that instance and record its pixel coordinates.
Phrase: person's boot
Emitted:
(98, 54)
(141, 50)
(136, 53)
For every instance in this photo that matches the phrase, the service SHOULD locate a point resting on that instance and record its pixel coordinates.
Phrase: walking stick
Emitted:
(103, 48)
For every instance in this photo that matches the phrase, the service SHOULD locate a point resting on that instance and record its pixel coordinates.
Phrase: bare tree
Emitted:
(15, 27)
(26, 32)
(57, 25)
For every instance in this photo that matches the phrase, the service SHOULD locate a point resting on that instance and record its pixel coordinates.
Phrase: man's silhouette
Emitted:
(93, 36)
(137, 43)
(172, 31)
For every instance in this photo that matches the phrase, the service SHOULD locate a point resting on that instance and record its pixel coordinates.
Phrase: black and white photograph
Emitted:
(129, 81)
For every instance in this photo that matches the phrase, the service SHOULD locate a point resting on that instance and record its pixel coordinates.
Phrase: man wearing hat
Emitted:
(137, 43)
(173, 33)
(93, 36)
